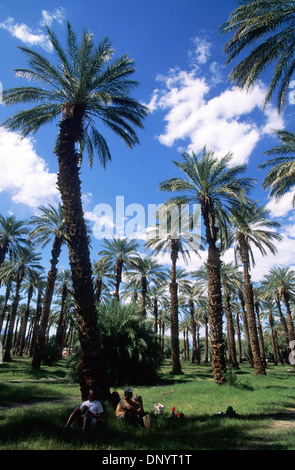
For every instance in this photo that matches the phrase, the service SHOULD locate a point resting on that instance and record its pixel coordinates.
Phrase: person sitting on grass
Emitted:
(87, 415)
(129, 409)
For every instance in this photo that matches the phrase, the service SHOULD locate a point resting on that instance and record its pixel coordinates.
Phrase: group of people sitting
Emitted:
(91, 411)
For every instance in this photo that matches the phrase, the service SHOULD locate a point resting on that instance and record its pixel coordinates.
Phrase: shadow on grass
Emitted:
(203, 432)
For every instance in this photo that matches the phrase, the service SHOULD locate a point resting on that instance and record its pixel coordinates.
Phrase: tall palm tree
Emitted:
(145, 270)
(82, 86)
(268, 26)
(231, 280)
(280, 179)
(26, 262)
(209, 182)
(118, 252)
(49, 224)
(176, 242)
(251, 225)
(13, 234)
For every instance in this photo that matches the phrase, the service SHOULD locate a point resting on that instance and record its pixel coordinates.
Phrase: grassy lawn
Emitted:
(35, 407)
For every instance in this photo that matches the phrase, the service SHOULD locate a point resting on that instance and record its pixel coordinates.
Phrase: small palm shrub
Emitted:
(128, 346)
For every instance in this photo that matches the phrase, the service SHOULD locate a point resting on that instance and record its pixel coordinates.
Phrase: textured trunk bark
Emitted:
(91, 368)
(214, 295)
(24, 323)
(231, 334)
(51, 277)
(173, 287)
(143, 295)
(249, 302)
(9, 341)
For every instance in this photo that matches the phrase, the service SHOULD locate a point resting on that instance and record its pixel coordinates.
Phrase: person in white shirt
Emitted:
(87, 414)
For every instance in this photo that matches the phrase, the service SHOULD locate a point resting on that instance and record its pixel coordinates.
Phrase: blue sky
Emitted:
(182, 78)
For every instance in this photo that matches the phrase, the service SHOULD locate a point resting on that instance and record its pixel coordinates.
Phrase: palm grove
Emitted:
(85, 87)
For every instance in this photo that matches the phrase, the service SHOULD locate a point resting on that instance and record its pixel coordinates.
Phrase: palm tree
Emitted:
(251, 225)
(193, 293)
(145, 270)
(30, 284)
(12, 233)
(102, 279)
(269, 27)
(176, 242)
(281, 282)
(118, 252)
(83, 86)
(231, 280)
(281, 176)
(26, 262)
(63, 281)
(209, 182)
(49, 224)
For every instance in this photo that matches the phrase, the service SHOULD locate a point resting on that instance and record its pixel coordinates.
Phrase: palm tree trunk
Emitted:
(143, 295)
(24, 323)
(214, 295)
(193, 329)
(246, 327)
(118, 277)
(14, 305)
(260, 334)
(173, 287)
(239, 338)
(273, 339)
(51, 277)
(283, 322)
(249, 302)
(289, 315)
(60, 322)
(231, 334)
(91, 367)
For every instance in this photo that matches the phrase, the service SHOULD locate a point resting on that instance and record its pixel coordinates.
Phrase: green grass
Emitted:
(34, 408)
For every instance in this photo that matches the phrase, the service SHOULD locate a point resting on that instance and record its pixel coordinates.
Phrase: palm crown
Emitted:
(83, 79)
(269, 25)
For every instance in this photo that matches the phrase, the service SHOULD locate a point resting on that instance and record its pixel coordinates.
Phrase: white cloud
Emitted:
(226, 122)
(49, 17)
(23, 173)
(201, 52)
(281, 207)
(222, 123)
(31, 37)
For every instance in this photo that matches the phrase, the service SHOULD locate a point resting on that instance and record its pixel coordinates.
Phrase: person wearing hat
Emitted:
(130, 409)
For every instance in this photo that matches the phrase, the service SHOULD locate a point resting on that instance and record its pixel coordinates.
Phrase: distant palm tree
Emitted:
(268, 26)
(252, 226)
(63, 287)
(163, 238)
(26, 262)
(82, 86)
(280, 179)
(281, 281)
(145, 270)
(50, 224)
(209, 182)
(118, 252)
(102, 279)
(30, 284)
(13, 234)
(231, 280)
